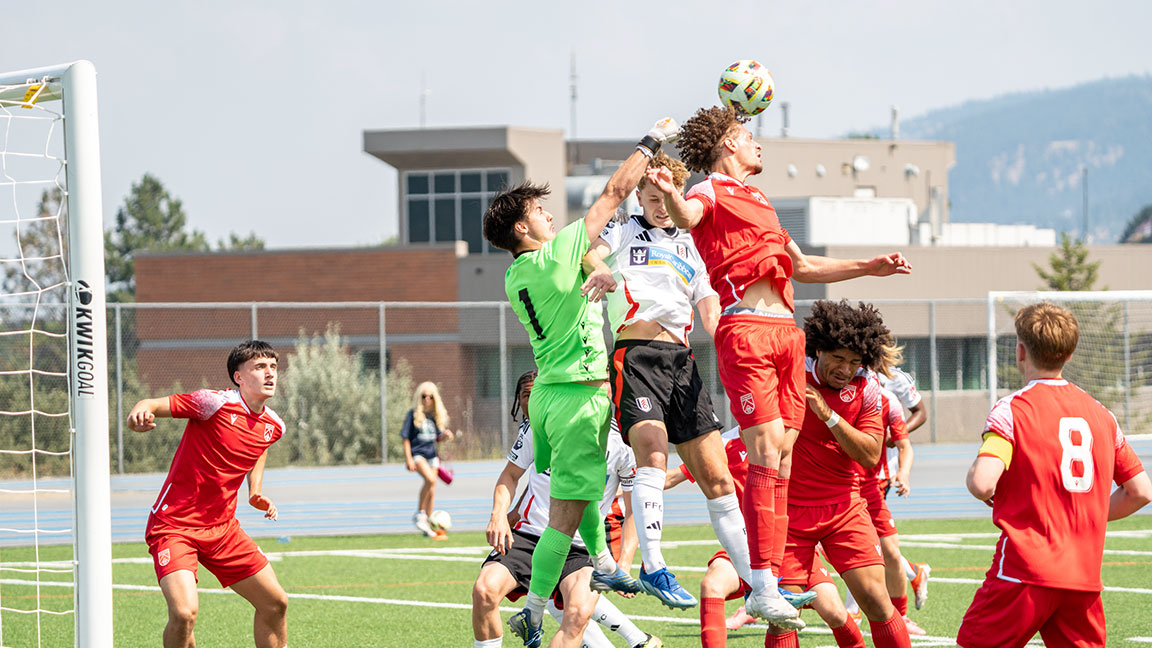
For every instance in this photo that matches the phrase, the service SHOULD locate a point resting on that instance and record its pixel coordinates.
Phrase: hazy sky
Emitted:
(253, 112)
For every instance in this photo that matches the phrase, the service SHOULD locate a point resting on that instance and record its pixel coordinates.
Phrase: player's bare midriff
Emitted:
(601, 384)
(762, 296)
(646, 330)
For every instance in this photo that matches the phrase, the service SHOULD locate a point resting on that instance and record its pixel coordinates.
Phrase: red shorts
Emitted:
(877, 508)
(844, 531)
(225, 550)
(761, 364)
(1009, 614)
(819, 575)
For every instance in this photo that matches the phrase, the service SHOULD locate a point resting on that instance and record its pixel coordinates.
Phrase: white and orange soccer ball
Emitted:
(440, 520)
(746, 86)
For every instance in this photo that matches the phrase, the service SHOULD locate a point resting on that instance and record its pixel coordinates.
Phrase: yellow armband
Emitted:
(997, 446)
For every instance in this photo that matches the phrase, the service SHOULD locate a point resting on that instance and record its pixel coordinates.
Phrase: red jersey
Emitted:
(823, 473)
(1051, 504)
(895, 429)
(740, 239)
(737, 461)
(221, 443)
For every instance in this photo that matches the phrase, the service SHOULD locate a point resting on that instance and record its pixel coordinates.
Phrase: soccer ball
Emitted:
(746, 86)
(440, 521)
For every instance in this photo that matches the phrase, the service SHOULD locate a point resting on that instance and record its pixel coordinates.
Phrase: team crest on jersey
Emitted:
(268, 429)
(848, 393)
(164, 557)
(748, 403)
(639, 256)
(233, 419)
(682, 249)
(644, 404)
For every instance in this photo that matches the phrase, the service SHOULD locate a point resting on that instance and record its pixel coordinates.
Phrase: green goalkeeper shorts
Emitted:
(570, 438)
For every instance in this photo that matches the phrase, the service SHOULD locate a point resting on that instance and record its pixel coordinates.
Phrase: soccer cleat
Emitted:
(738, 620)
(770, 606)
(440, 534)
(421, 522)
(521, 624)
(621, 581)
(650, 642)
(920, 584)
(914, 628)
(662, 584)
(857, 617)
(797, 599)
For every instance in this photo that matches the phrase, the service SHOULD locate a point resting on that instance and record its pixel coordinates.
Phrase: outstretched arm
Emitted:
(143, 415)
(808, 268)
(624, 181)
(686, 214)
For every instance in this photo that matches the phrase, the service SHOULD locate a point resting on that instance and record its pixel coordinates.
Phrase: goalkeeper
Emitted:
(551, 290)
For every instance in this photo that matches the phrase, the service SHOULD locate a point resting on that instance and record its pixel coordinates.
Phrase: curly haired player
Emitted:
(750, 259)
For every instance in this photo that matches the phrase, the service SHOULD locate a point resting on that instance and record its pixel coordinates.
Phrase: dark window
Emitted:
(470, 181)
(418, 226)
(497, 180)
(445, 183)
(445, 219)
(417, 183)
(471, 216)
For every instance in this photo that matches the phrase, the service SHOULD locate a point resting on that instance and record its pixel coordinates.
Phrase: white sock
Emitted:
(604, 563)
(498, 642)
(909, 569)
(728, 523)
(648, 511)
(850, 603)
(534, 603)
(610, 616)
(593, 635)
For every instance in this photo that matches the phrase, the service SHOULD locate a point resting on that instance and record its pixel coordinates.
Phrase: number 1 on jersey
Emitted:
(527, 301)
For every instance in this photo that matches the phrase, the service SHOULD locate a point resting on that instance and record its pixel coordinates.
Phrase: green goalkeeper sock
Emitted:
(592, 533)
(548, 561)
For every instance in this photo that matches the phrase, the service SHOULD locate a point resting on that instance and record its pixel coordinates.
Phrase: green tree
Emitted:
(236, 242)
(1069, 268)
(150, 219)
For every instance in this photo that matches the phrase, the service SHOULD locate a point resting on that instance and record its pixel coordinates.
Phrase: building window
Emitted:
(962, 362)
(448, 205)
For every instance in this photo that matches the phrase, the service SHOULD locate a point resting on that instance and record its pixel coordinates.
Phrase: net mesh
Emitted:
(36, 519)
(1113, 360)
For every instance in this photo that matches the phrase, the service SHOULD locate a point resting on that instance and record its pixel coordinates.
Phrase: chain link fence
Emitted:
(349, 370)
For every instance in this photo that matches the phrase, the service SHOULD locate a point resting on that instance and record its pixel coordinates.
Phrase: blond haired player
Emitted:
(1051, 453)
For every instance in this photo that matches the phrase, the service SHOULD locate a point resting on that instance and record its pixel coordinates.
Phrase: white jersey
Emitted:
(537, 497)
(902, 385)
(661, 276)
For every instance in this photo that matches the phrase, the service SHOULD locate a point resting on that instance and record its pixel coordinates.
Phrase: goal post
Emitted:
(74, 85)
(1113, 358)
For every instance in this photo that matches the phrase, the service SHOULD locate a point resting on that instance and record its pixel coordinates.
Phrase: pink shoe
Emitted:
(739, 619)
(914, 628)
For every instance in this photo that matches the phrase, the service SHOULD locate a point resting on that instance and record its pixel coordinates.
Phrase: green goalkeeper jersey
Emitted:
(566, 330)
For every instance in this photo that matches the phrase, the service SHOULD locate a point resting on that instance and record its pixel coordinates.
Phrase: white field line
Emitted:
(819, 629)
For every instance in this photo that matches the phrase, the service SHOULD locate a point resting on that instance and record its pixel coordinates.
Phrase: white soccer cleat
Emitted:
(770, 606)
(920, 584)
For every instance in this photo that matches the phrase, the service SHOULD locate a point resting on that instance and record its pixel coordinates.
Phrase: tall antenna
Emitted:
(424, 92)
(572, 78)
(784, 115)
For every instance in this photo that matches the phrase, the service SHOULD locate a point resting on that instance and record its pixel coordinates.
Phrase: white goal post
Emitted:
(1112, 361)
(74, 85)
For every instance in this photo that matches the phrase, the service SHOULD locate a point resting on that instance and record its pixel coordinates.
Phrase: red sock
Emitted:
(891, 633)
(713, 633)
(787, 640)
(848, 635)
(780, 529)
(759, 519)
(901, 605)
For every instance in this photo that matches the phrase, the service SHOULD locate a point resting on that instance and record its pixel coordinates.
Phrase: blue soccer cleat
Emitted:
(798, 599)
(621, 581)
(521, 624)
(662, 584)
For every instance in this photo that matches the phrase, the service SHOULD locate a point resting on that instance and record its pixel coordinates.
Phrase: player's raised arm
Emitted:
(624, 181)
(808, 268)
(499, 534)
(142, 418)
(686, 214)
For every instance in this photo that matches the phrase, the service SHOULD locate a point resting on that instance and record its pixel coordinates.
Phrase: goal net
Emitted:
(1113, 359)
(55, 523)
